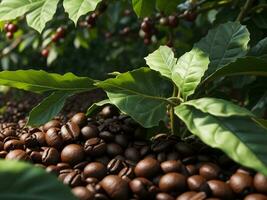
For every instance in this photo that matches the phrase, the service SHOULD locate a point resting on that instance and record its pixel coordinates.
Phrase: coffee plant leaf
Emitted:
(38, 12)
(48, 108)
(259, 49)
(42, 81)
(224, 44)
(259, 108)
(141, 94)
(24, 181)
(240, 138)
(168, 7)
(188, 71)
(77, 8)
(162, 60)
(242, 66)
(97, 106)
(143, 8)
(219, 107)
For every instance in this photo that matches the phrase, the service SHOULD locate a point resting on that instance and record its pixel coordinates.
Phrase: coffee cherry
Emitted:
(173, 21)
(190, 16)
(55, 37)
(147, 41)
(6, 27)
(91, 19)
(45, 53)
(60, 32)
(12, 28)
(10, 35)
(163, 21)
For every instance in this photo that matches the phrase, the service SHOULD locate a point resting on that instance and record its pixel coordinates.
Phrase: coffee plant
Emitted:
(182, 93)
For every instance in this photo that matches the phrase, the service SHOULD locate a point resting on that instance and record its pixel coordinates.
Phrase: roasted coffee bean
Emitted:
(256, 197)
(83, 193)
(1, 146)
(173, 156)
(195, 182)
(220, 189)
(189, 160)
(63, 166)
(114, 149)
(115, 165)
(99, 196)
(142, 188)
(161, 157)
(73, 179)
(186, 195)
(35, 156)
(107, 136)
(3, 154)
(50, 156)
(171, 166)
(103, 159)
(132, 154)
(13, 144)
(53, 138)
(80, 165)
(209, 171)
(51, 124)
(260, 183)
(147, 167)
(161, 145)
(63, 173)
(72, 154)
(127, 172)
(122, 140)
(95, 147)
(108, 112)
(184, 149)
(52, 169)
(40, 137)
(70, 132)
(164, 196)
(144, 151)
(95, 170)
(89, 132)
(191, 169)
(199, 196)
(17, 154)
(115, 187)
(80, 119)
(92, 180)
(8, 133)
(239, 182)
(172, 182)
(30, 140)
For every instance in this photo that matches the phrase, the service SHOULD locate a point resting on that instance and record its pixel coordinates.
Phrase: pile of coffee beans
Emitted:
(107, 157)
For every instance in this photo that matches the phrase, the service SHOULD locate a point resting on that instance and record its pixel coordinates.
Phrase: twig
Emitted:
(244, 9)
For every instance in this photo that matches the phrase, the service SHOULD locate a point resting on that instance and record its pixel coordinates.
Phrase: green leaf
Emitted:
(38, 12)
(189, 70)
(219, 107)
(24, 181)
(162, 60)
(41, 81)
(242, 66)
(240, 138)
(224, 44)
(259, 49)
(168, 7)
(77, 8)
(141, 94)
(259, 108)
(143, 8)
(96, 106)
(48, 108)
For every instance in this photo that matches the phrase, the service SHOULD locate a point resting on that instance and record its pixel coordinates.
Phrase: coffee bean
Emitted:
(70, 132)
(13, 144)
(89, 132)
(173, 156)
(122, 140)
(209, 171)
(171, 166)
(114, 149)
(53, 138)
(115, 187)
(73, 179)
(199, 196)
(189, 160)
(95, 147)
(161, 157)
(100, 196)
(30, 140)
(1, 146)
(132, 154)
(17, 154)
(220, 189)
(191, 169)
(82, 193)
(256, 197)
(186, 195)
(63, 166)
(142, 188)
(161, 145)
(107, 136)
(72, 154)
(95, 170)
(50, 156)
(239, 182)
(184, 149)
(80, 165)
(260, 183)
(3, 154)
(35, 156)
(164, 196)
(109, 111)
(115, 165)
(40, 137)
(51, 124)
(172, 182)
(147, 167)
(80, 119)
(52, 169)
(103, 159)
(63, 173)
(195, 182)
(127, 172)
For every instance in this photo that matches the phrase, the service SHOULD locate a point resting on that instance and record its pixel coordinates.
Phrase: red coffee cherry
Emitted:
(10, 35)
(45, 53)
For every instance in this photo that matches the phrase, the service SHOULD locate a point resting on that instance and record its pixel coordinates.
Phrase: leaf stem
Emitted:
(174, 122)
(244, 10)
